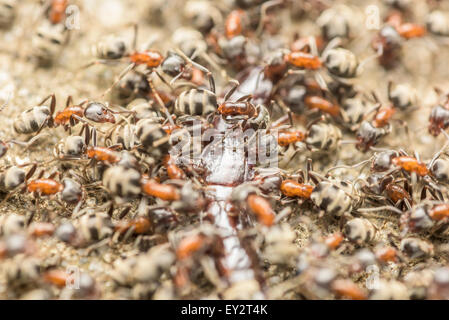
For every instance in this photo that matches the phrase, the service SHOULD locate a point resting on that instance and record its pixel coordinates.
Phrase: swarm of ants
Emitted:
(252, 149)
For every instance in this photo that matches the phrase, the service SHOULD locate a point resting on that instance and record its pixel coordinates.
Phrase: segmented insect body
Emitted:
(389, 42)
(195, 102)
(438, 23)
(103, 154)
(331, 198)
(440, 170)
(11, 178)
(291, 188)
(153, 137)
(110, 47)
(402, 96)
(48, 42)
(22, 271)
(323, 136)
(411, 164)
(335, 22)
(97, 112)
(303, 60)
(44, 186)
(416, 248)
(63, 117)
(11, 224)
(57, 11)
(353, 110)
(122, 182)
(438, 119)
(360, 230)
(368, 135)
(8, 10)
(95, 226)
(142, 109)
(72, 191)
(71, 146)
(31, 120)
(316, 102)
(341, 63)
(125, 135)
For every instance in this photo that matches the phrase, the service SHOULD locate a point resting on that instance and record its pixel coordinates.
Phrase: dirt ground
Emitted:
(24, 83)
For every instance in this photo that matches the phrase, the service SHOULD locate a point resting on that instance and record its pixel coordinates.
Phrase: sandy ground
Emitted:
(26, 83)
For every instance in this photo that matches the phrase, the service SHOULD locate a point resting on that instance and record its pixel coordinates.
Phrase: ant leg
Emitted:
(120, 77)
(381, 208)
(201, 68)
(245, 98)
(331, 45)
(135, 35)
(46, 98)
(161, 103)
(179, 75)
(69, 101)
(263, 13)
(235, 84)
(5, 104)
(363, 163)
(30, 142)
(309, 168)
(168, 84)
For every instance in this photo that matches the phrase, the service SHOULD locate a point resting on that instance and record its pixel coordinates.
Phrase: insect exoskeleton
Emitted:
(72, 191)
(323, 136)
(48, 41)
(142, 109)
(336, 22)
(262, 118)
(31, 120)
(98, 112)
(438, 23)
(189, 40)
(203, 14)
(95, 226)
(111, 47)
(389, 290)
(279, 246)
(133, 85)
(342, 63)
(438, 288)
(331, 198)
(418, 283)
(400, 4)
(11, 178)
(191, 199)
(360, 230)
(124, 135)
(440, 169)
(368, 135)
(71, 146)
(144, 268)
(122, 182)
(417, 218)
(8, 10)
(21, 271)
(195, 102)
(416, 248)
(353, 110)
(152, 136)
(403, 96)
(11, 223)
(295, 98)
